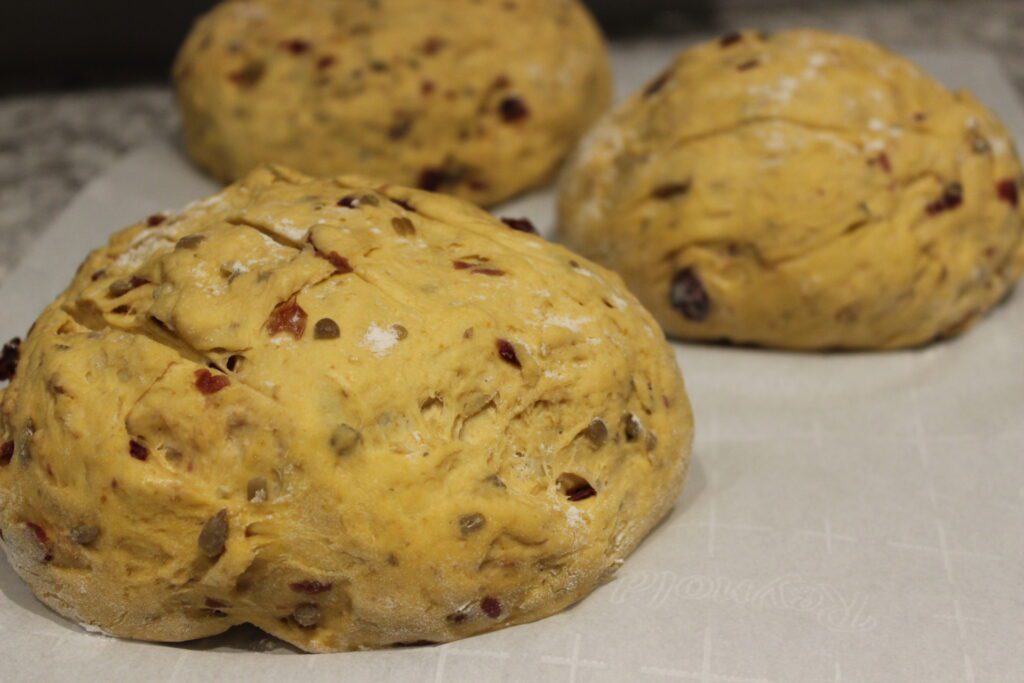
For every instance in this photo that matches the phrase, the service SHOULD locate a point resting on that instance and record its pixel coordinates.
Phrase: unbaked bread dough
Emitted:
(353, 415)
(478, 99)
(802, 190)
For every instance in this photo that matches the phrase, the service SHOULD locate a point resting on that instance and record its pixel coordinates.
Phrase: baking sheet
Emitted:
(854, 517)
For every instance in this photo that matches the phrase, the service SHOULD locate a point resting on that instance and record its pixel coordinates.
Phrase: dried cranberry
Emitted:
(208, 383)
(340, 263)
(427, 87)
(249, 75)
(730, 38)
(433, 45)
(669, 190)
(748, 65)
(575, 487)
(155, 220)
(493, 272)
(296, 46)
(6, 452)
(507, 352)
(288, 317)
(137, 450)
(38, 535)
(520, 224)
(325, 62)
(687, 295)
(491, 607)
(657, 84)
(215, 603)
(461, 265)
(882, 161)
(399, 129)
(1007, 191)
(952, 197)
(311, 587)
(433, 178)
(9, 359)
(513, 108)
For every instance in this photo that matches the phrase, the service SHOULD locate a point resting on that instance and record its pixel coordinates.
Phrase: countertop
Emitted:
(52, 144)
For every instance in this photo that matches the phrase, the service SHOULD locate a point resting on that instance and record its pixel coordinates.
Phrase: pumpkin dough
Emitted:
(478, 99)
(802, 190)
(353, 415)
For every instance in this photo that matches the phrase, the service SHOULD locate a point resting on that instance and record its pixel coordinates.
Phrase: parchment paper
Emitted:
(854, 517)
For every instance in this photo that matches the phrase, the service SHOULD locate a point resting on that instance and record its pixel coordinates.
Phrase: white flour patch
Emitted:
(379, 340)
(567, 322)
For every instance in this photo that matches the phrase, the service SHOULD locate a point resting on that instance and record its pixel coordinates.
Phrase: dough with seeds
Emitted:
(353, 415)
(478, 99)
(802, 190)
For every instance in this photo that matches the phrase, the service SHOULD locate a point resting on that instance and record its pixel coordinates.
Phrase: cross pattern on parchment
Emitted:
(573, 661)
(705, 675)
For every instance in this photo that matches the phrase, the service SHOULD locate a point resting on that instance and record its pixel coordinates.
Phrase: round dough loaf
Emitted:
(801, 190)
(478, 99)
(353, 415)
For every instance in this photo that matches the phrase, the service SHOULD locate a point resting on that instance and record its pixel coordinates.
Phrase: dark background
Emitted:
(62, 44)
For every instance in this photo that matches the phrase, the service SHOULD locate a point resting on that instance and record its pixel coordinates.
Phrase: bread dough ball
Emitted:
(801, 190)
(478, 99)
(353, 415)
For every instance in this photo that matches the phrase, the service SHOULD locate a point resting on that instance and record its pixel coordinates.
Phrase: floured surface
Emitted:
(847, 517)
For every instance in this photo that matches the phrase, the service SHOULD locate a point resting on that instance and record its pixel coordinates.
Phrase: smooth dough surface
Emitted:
(478, 99)
(353, 415)
(802, 190)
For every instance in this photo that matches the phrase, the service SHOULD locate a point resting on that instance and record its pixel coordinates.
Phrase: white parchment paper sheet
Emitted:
(852, 517)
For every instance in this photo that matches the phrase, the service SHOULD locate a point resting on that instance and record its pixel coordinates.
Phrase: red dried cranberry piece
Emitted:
(6, 453)
(657, 84)
(42, 540)
(669, 190)
(687, 295)
(325, 62)
(9, 359)
(491, 607)
(952, 197)
(249, 75)
(138, 451)
(208, 383)
(288, 317)
(427, 87)
(581, 492)
(882, 161)
(461, 265)
(748, 65)
(512, 108)
(730, 38)
(155, 220)
(311, 587)
(215, 603)
(507, 352)
(1007, 191)
(520, 224)
(296, 46)
(433, 45)
(340, 263)
(493, 272)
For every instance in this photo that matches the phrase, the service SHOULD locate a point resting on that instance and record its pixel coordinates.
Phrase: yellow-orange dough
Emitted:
(353, 415)
(802, 190)
(477, 99)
